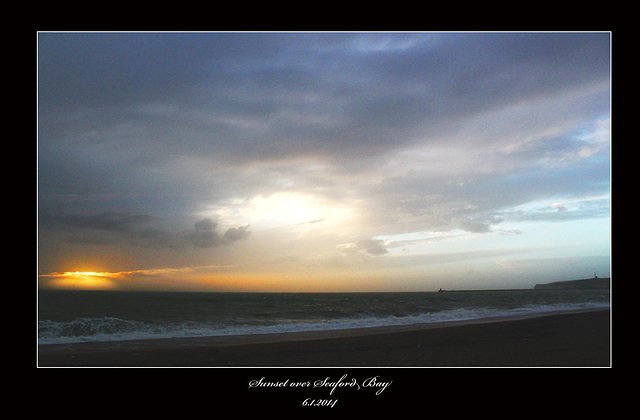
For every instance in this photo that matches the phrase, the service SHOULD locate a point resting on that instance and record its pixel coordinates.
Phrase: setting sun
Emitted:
(284, 174)
(317, 199)
(81, 280)
(88, 274)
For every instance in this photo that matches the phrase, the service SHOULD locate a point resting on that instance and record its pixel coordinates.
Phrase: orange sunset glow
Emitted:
(79, 280)
(202, 279)
(322, 161)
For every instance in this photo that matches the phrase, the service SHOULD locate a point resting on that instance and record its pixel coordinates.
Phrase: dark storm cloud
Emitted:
(134, 229)
(257, 95)
(79, 70)
(205, 234)
(180, 121)
(109, 221)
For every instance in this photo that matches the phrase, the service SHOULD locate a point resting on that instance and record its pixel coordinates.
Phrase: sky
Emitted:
(320, 162)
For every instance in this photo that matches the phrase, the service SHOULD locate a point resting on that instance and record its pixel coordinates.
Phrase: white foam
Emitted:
(116, 329)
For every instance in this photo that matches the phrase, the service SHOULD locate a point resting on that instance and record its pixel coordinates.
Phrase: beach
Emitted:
(568, 339)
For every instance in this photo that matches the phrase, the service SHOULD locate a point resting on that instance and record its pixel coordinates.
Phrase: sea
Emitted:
(95, 316)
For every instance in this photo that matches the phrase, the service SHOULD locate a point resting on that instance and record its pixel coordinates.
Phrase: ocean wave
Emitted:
(117, 329)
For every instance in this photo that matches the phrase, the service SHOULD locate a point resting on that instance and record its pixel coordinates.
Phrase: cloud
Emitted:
(108, 221)
(205, 234)
(561, 212)
(375, 247)
(114, 227)
(411, 132)
(255, 96)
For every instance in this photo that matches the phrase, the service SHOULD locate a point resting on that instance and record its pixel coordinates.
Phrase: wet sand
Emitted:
(580, 339)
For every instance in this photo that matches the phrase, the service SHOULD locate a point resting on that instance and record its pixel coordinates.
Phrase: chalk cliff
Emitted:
(584, 284)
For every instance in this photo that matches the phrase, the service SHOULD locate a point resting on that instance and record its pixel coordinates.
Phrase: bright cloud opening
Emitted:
(284, 210)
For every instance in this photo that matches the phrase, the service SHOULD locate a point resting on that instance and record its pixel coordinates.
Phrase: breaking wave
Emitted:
(118, 329)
